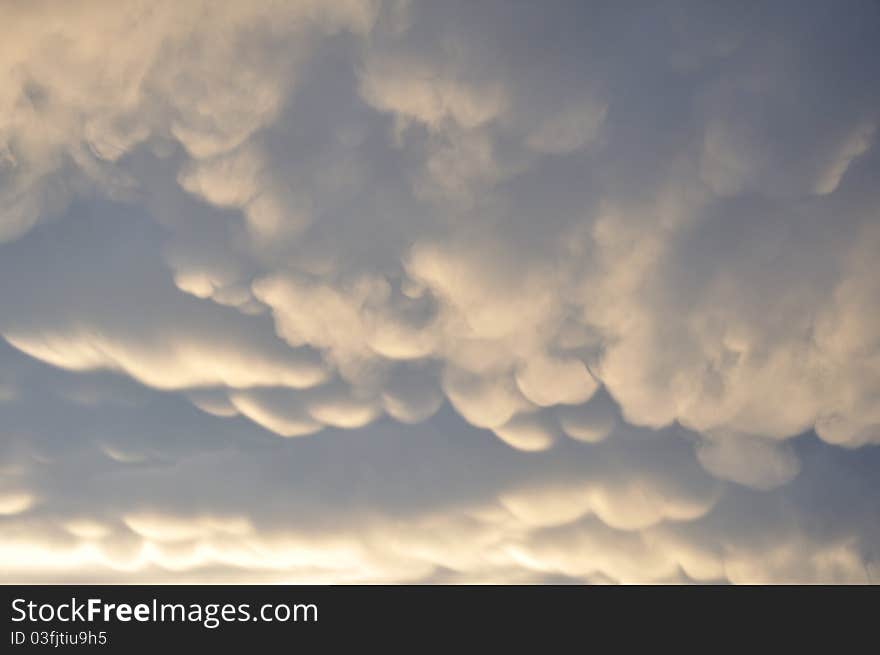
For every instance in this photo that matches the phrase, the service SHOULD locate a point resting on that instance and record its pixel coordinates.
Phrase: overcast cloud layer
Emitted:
(361, 291)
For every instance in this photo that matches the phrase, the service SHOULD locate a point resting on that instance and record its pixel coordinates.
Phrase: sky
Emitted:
(439, 292)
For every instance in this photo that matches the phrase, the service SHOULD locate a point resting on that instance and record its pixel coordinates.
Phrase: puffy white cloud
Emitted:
(604, 310)
(181, 72)
(172, 365)
(591, 422)
(411, 395)
(529, 432)
(275, 410)
(547, 382)
(759, 463)
(15, 503)
(424, 95)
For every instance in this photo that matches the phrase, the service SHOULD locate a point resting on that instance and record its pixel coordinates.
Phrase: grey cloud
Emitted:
(530, 293)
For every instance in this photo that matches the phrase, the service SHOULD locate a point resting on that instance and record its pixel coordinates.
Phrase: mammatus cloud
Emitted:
(363, 291)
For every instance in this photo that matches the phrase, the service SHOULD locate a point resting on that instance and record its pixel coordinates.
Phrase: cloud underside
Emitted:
(392, 291)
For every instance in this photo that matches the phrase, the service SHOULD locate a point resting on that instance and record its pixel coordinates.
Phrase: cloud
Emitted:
(15, 503)
(429, 98)
(600, 309)
(753, 462)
